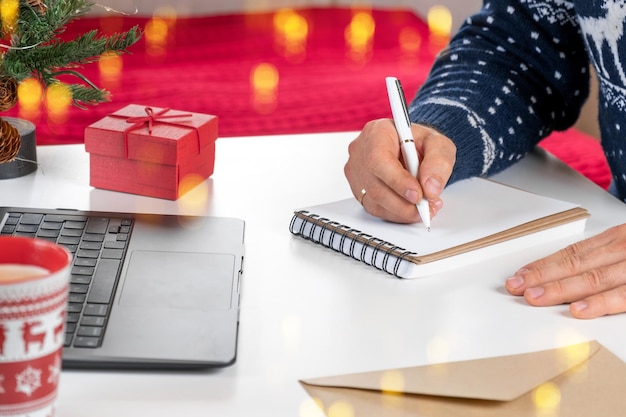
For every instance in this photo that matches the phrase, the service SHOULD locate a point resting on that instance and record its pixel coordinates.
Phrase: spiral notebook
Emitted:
(480, 219)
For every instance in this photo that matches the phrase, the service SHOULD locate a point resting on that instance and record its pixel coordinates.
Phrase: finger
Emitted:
(587, 255)
(380, 201)
(374, 165)
(608, 302)
(439, 156)
(577, 287)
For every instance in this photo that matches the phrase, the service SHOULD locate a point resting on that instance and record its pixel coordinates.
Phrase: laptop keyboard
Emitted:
(98, 246)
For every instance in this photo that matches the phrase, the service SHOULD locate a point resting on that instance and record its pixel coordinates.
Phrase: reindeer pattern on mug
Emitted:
(32, 322)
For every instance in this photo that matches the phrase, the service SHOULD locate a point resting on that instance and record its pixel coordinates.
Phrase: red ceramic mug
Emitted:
(34, 279)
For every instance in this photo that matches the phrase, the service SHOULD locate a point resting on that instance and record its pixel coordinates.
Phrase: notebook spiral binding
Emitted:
(352, 242)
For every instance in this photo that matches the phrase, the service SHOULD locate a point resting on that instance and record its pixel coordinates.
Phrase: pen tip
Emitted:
(428, 228)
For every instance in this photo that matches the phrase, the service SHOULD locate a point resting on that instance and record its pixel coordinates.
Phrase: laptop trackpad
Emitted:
(178, 280)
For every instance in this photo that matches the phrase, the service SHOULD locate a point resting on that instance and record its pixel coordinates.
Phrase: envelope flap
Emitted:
(502, 378)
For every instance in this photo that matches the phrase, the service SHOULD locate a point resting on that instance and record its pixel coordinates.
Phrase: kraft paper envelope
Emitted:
(583, 380)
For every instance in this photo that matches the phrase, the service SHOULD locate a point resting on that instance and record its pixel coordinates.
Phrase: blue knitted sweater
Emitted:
(518, 70)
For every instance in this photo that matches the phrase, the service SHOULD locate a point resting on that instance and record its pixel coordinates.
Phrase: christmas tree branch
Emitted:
(36, 51)
(83, 95)
(35, 27)
(57, 55)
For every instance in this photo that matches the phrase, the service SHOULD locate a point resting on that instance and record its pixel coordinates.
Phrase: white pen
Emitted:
(403, 126)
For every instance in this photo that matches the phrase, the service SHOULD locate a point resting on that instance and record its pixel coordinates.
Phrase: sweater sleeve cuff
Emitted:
(474, 148)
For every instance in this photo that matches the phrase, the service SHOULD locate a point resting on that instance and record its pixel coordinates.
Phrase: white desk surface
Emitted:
(307, 311)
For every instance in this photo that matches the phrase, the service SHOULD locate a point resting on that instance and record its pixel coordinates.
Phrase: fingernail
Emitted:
(433, 187)
(579, 306)
(412, 196)
(535, 292)
(515, 282)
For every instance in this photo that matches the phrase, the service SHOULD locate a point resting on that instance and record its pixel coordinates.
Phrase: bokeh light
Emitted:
(340, 409)
(264, 80)
(392, 381)
(58, 99)
(29, 96)
(547, 399)
(110, 66)
(194, 194)
(310, 407)
(410, 40)
(438, 350)
(359, 35)
(291, 30)
(439, 20)
(9, 10)
(156, 35)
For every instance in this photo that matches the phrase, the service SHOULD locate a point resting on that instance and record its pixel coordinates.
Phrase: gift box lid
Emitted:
(151, 134)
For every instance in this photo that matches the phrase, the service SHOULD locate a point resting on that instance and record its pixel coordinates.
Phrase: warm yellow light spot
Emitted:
(29, 93)
(341, 409)
(194, 193)
(439, 21)
(264, 80)
(156, 31)
(291, 30)
(265, 77)
(291, 24)
(360, 30)
(110, 65)
(58, 97)
(9, 11)
(58, 102)
(392, 381)
(156, 34)
(311, 407)
(547, 398)
(576, 353)
(438, 349)
(410, 40)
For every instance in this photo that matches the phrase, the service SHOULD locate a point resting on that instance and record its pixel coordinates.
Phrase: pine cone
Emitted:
(8, 92)
(38, 5)
(10, 141)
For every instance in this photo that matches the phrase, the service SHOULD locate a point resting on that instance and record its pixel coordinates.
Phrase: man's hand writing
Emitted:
(374, 165)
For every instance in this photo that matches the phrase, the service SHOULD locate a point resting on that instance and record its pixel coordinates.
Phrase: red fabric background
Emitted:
(207, 62)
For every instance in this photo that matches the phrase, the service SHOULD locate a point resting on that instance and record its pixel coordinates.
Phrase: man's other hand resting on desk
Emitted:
(508, 78)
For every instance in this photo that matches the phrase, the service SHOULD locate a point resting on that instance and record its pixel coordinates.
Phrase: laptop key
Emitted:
(76, 298)
(89, 331)
(86, 342)
(112, 254)
(70, 328)
(97, 225)
(27, 228)
(80, 279)
(74, 307)
(67, 342)
(104, 281)
(100, 310)
(85, 262)
(72, 232)
(31, 218)
(92, 321)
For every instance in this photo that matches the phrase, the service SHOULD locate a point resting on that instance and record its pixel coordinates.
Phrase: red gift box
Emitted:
(150, 150)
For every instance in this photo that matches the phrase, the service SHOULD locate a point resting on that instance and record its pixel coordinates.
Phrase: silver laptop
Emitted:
(146, 291)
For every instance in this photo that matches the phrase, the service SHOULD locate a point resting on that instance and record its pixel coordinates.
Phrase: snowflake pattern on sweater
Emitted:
(518, 70)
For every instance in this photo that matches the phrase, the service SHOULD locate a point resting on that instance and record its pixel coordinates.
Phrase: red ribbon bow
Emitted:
(152, 118)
